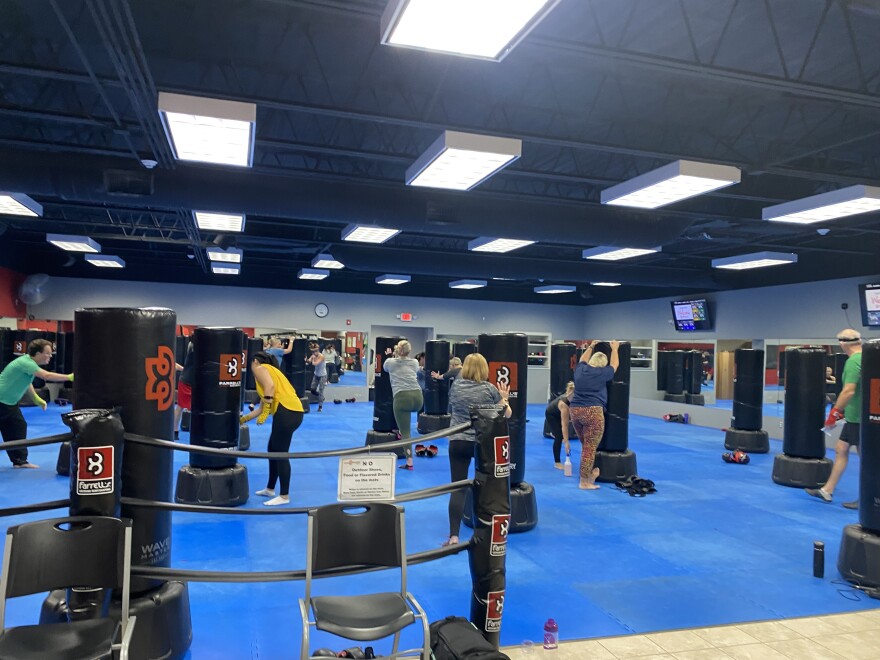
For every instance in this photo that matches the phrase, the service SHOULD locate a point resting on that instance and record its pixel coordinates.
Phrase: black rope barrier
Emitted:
(36, 442)
(414, 559)
(412, 496)
(368, 449)
(33, 508)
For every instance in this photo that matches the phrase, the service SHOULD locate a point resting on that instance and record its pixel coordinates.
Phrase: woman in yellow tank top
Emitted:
(279, 399)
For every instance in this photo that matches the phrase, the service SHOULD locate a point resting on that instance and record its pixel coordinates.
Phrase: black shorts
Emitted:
(850, 433)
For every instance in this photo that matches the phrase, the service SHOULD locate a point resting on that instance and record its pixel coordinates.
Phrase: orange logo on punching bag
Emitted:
(874, 403)
(159, 370)
(504, 372)
(572, 363)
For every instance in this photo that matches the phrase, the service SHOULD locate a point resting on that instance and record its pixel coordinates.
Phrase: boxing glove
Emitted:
(834, 416)
(264, 415)
(242, 420)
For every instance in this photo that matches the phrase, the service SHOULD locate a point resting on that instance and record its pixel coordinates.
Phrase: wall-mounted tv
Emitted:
(691, 315)
(869, 297)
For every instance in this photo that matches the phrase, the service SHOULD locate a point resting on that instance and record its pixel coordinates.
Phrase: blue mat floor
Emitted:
(717, 544)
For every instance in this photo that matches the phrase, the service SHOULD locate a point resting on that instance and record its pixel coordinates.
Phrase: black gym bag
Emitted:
(456, 638)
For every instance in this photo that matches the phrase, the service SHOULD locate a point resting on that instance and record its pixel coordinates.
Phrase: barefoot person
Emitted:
(17, 379)
(587, 409)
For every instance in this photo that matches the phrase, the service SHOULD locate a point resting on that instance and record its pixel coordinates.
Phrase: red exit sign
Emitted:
(406, 316)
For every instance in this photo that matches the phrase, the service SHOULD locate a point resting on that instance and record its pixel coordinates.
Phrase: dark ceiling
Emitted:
(601, 91)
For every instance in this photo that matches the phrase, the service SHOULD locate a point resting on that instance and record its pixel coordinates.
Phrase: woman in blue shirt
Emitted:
(587, 408)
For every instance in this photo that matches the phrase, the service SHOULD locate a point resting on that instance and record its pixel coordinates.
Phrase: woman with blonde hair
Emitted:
(406, 391)
(471, 388)
(588, 405)
(558, 420)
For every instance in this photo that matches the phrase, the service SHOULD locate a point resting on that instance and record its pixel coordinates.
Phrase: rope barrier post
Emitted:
(487, 553)
(124, 358)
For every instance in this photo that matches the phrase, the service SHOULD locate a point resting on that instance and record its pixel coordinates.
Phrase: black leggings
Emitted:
(460, 454)
(555, 424)
(284, 423)
(13, 427)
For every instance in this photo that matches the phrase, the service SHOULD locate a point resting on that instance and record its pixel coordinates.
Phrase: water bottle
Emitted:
(551, 635)
(818, 559)
(566, 468)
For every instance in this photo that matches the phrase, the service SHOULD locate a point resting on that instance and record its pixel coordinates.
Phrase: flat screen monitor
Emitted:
(869, 297)
(691, 315)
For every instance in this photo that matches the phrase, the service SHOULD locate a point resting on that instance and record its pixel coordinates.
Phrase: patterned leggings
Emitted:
(589, 424)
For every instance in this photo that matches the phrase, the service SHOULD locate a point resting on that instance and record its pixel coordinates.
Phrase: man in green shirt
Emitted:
(848, 407)
(16, 379)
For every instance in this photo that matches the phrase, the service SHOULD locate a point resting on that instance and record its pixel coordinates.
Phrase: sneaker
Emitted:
(404, 467)
(818, 492)
(851, 505)
(421, 450)
(432, 451)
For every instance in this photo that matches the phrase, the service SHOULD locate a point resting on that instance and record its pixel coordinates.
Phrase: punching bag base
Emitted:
(858, 558)
(752, 442)
(244, 437)
(523, 508)
(333, 378)
(615, 465)
(380, 437)
(695, 399)
(430, 423)
(675, 398)
(801, 472)
(222, 487)
(304, 400)
(185, 417)
(251, 396)
(164, 626)
(62, 466)
(312, 398)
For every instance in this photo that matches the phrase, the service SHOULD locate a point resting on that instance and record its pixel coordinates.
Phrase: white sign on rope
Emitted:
(367, 477)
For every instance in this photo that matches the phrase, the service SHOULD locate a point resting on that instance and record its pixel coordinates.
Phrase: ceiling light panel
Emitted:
(827, 206)
(611, 253)
(496, 244)
(220, 268)
(105, 261)
(393, 279)
(19, 204)
(467, 284)
(221, 222)
(755, 260)
(313, 274)
(326, 261)
(368, 233)
(488, 29)
(73, 243)
(556, 288)
(229, 255)
(604, 283)
(461, 161)
(209, 130)
(670, 183)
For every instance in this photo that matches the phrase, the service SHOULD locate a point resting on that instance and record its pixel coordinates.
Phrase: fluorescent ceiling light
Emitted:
(556, 288)
(209, 130)
(393, 279)
(755, 260)
(368, 233)
(488, 29)
(605, 283)
(313, 273)
(496, 244)
(73, 243)
(225, 268)
(229, 255)
(461, 161)
(19, 204)
(105, 261)
(324, 260)
(827, 206)
(467, 284)
(611, 253)
(670, 183)
(226, 222)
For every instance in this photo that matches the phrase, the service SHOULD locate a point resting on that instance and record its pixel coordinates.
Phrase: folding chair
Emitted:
(81, 552)
(351, 536)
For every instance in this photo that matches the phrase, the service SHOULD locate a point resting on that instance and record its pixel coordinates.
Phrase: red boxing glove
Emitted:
(834, 416)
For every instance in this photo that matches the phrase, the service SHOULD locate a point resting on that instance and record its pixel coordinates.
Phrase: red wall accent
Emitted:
(9, 304)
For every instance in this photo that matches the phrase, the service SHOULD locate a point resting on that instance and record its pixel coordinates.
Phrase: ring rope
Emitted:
(67, 436)
(33, 508)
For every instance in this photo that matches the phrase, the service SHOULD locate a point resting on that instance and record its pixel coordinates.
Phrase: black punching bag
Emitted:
(745, 432)
(614, 459)
(383, 413)
(562, 364)
(663, 369)
(802, 463)
(461, 350)
(435, 415)
(860, 544)
(252, 347)
(675, 377)
(507, 355)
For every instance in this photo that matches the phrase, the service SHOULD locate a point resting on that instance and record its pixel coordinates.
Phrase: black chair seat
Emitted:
(78, 640)
(362, 618)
